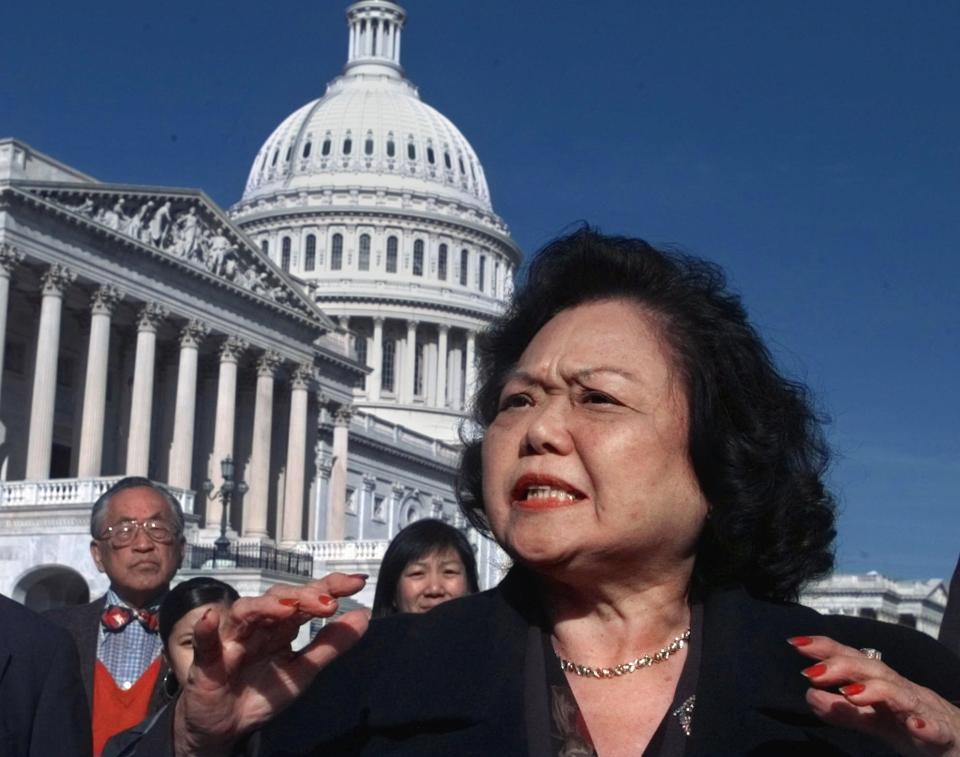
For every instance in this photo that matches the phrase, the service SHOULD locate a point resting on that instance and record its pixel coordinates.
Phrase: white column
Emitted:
(337, 507)
(324, 464)
(223, 432)
(409, 364)
(350, 36)
(296, 455)
(103, 303)
(471, 377)
(141, 400)
(255, 504)
(374, 379)
(442, 331)
(184, 414)
(55, 281)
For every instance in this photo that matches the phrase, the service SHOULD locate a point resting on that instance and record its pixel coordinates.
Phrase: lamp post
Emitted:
(227, 488)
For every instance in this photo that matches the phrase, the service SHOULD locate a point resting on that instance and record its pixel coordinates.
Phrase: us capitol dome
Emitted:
(378, 204)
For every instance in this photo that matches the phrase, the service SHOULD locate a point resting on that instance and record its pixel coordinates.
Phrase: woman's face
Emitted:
(180, 644)
(586, 463)
(431, 580)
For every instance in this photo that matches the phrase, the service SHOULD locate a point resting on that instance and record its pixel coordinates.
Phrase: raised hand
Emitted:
(850, 690)
(244, 671)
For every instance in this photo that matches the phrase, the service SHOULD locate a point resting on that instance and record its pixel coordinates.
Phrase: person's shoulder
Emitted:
(71, 614)
(17, 619)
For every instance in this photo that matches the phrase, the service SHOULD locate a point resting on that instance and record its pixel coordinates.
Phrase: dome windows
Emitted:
(464, 267)
(325, 147)
(368, 145)
(363, 258)
(289, 154)
(391, 255)
(336, 252)
(442, 263)
(460, 161)
(446, 160)
(411, 150)
(347, 145)
(306, 149)
(285, 255)
(431, 158)
(276, 154)
(391, 146)
(310, 254)
(418, 258)
(386, 366)
(481, 272)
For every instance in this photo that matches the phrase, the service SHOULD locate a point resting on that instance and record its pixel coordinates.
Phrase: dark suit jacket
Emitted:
(42, 707)
(950, 627)
(83, 623)
(451, 682)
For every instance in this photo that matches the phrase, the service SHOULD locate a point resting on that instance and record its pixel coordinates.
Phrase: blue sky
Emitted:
(813, 149)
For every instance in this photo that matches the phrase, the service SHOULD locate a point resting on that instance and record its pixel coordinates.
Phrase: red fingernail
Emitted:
(326, 599)
(815, 670)
(290, 602)
(851, 690)
(205, 614)
(800, 641)
(919, 723)
(364, 576)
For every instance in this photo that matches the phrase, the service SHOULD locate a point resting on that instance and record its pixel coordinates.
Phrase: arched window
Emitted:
(325, 147)
(418, 373)
(391, 148)
(431, 158)
(460, 161)
(368, 146)
(347, 145)
(336, 252)
(481, 272)
(386, 367)
(411, 151)
(464, 267)
(289, 153)
(446, 160)
(363, 260)
(418, 258)
(285, 254)
(265, 247)
(361, 348)
(306, 149)
(310, 254)
(276, 154)
(442, 263)
(392, 255)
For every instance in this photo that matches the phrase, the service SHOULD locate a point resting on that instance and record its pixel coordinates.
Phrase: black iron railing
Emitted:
(249, 556)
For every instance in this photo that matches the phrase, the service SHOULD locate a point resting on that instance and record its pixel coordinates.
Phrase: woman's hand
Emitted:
(875, 700)
(244, 671)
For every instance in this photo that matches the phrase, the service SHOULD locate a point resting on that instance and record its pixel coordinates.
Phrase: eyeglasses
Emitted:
(124, 532)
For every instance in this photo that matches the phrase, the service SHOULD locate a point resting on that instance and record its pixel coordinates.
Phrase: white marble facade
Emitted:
(141, 333)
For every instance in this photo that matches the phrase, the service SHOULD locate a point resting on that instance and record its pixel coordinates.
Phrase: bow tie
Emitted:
(115, 618)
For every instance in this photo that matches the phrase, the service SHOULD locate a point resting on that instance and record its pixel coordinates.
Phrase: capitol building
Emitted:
(320, 333)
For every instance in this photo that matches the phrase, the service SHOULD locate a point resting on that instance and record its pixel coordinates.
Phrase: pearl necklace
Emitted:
(664, 654)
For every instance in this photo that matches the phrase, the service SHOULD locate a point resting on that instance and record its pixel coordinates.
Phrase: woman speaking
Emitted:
(659, 486)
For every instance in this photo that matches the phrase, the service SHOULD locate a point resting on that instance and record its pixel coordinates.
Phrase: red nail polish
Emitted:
(815, 670)
(919, 723)
(326, 599)
(290, 602)
(205, 614)
(799, 641)
(851, 690)
(364, 576)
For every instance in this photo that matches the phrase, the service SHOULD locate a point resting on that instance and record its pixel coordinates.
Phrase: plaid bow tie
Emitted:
(115, 618)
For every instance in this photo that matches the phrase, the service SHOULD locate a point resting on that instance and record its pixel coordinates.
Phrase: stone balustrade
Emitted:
(346, 551)
(71, 491)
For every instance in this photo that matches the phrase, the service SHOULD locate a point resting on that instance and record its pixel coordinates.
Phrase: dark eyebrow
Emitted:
(584, 373)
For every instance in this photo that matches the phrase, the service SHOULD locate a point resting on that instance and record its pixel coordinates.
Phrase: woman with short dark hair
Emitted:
(426, 564)
(659, 486)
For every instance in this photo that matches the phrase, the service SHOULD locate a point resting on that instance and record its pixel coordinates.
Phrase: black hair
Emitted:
(419, 539)
(188, 596)
(99, 512)
(755, 442)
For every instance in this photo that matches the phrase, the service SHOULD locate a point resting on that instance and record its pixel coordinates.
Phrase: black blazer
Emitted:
(83, 623)
(451, 682)
(42, 708)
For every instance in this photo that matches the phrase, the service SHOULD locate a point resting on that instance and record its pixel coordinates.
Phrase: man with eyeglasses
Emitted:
(137, 528)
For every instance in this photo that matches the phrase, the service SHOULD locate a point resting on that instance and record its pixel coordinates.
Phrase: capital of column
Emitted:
(232, 348)
(301, 376)
(443, 328)
(10, 258)
(150, 316)
(342, 415)
(104, 299)
(268, 363)
(412, 324)
(369, 482)
(56, 279)
(193, 333)
(378, 320)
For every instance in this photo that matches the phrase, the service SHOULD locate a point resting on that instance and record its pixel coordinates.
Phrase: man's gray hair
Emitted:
(98, 515)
